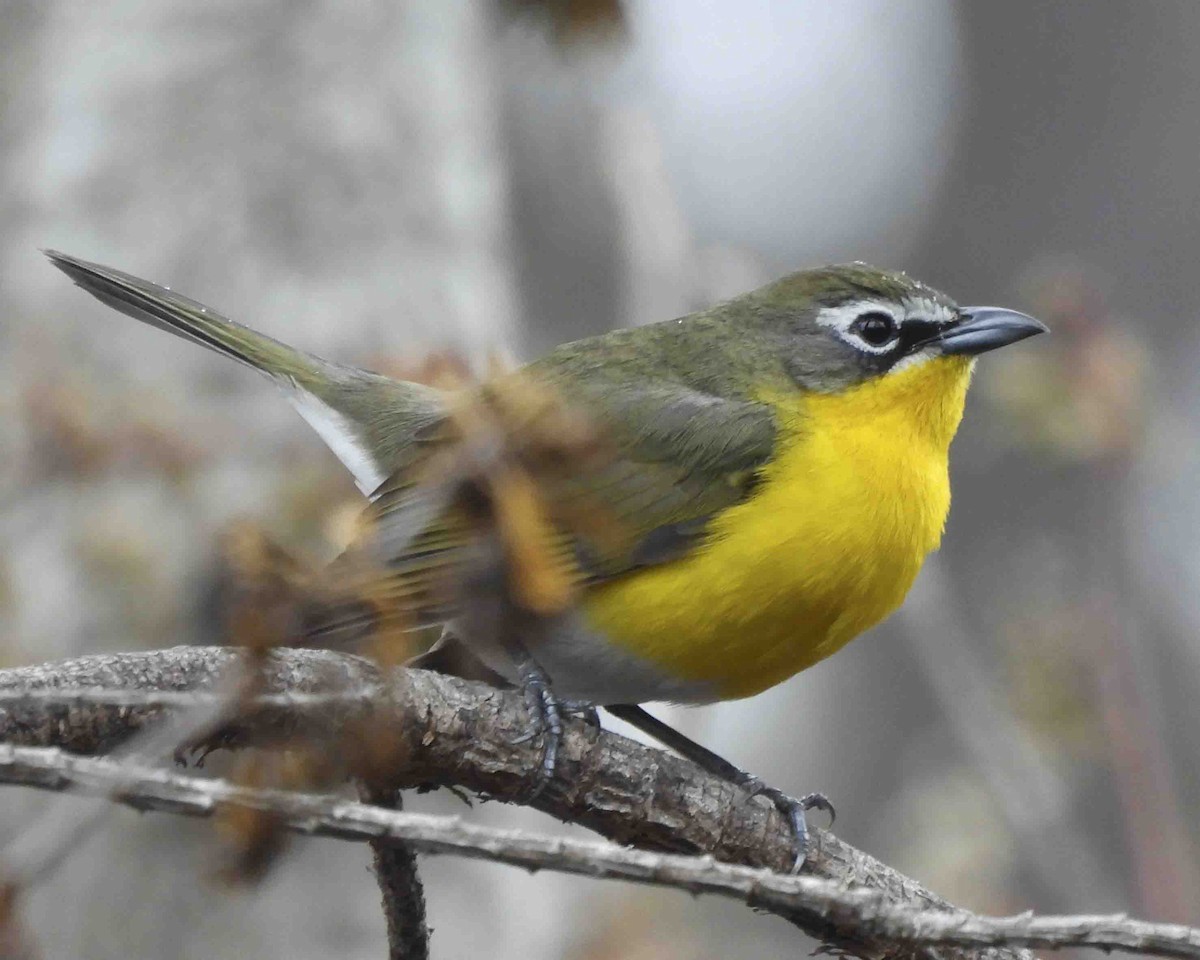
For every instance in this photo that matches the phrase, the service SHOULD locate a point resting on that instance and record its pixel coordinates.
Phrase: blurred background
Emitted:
(375, 180)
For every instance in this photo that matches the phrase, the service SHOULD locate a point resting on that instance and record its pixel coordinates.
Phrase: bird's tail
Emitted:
(368, 420)
(163, 308)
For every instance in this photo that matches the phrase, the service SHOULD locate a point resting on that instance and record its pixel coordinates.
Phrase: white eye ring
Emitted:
(876, 329)
(842, 318)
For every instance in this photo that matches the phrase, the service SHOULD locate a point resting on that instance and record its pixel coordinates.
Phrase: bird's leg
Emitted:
(450, 656)
(545, 713)
(792, 808)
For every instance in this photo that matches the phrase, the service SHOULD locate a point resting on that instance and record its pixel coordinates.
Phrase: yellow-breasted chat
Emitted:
(779, 468)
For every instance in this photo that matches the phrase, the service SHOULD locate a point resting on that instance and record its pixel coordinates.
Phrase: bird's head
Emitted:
(847, 325)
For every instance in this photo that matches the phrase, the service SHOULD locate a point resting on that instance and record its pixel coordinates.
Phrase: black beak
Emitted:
(985, 328)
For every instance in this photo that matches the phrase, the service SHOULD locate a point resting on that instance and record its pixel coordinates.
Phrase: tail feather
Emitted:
(163, 308)
(369, 421)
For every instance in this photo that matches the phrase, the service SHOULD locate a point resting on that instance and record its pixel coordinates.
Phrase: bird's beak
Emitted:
(985, 328)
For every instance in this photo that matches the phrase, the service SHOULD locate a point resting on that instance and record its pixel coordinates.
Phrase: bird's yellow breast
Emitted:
(829, 544)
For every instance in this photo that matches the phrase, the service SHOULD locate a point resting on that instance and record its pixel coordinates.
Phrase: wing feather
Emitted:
(680, 457)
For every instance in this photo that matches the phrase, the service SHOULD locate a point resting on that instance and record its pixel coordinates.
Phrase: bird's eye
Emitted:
(875, 329)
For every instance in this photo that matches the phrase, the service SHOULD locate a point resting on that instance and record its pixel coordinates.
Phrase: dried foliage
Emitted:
(573, 22)
(78, 432)
(253, 839)
(504, 473)
(15, 943)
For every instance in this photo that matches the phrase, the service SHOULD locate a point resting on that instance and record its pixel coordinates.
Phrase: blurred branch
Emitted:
(399, 884)
(452, 732)
(815, 902)
(59, 830)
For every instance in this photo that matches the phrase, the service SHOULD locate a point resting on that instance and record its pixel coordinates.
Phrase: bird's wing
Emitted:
(679, 457)
(682, 456)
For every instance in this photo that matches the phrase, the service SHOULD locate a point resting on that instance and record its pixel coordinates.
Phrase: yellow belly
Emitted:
(827, 546)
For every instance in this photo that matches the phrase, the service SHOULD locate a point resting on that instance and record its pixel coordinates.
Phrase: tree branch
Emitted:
(399, 884)
(818, 902)
(452, 732)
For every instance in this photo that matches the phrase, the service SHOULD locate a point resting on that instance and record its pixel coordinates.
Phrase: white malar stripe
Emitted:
(340, 436)
(912, 360)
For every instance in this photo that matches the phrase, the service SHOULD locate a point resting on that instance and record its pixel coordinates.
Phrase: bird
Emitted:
(780, 462)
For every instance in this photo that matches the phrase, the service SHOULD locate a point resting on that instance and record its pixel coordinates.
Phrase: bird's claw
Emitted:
(818, 801)
(794, 809)
(545, 720)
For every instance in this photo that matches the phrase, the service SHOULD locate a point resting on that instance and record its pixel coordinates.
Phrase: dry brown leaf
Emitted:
(539, 580)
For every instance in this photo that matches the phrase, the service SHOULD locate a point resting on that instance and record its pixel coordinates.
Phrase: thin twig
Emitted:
(857, 910)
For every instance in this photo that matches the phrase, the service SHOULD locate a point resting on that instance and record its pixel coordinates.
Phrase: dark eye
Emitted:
(875, 328)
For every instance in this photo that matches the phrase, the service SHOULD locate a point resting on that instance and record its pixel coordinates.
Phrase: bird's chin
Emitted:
(931, 356)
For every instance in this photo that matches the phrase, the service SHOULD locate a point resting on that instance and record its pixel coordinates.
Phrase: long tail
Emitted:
(368, 420)
(163, 308)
